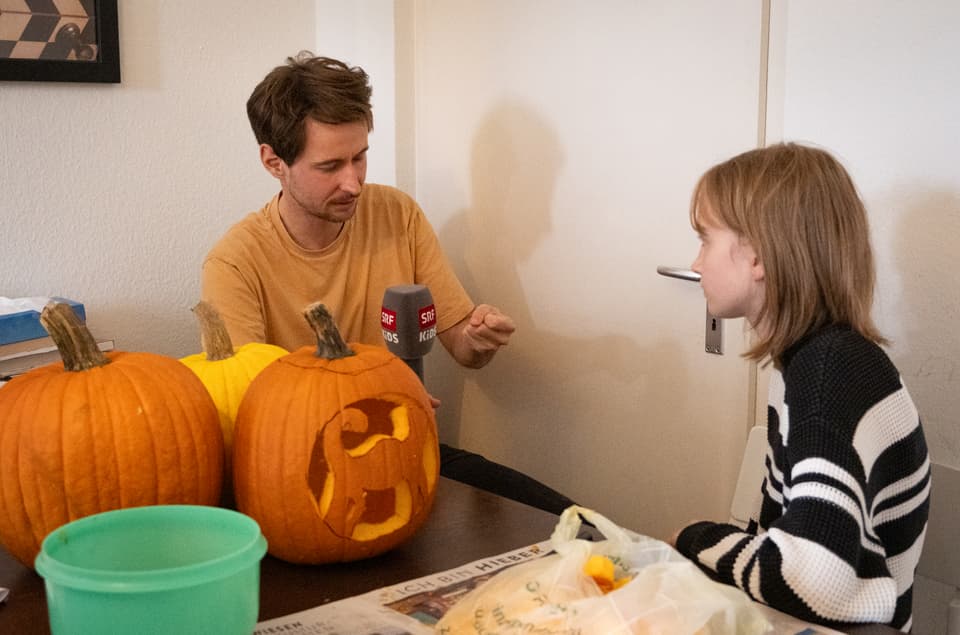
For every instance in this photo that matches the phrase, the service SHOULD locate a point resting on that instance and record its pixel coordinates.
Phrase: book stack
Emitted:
(24, 343)
(19, 357)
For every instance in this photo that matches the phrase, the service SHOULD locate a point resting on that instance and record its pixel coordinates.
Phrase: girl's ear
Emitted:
(756, 265)
(757, 269)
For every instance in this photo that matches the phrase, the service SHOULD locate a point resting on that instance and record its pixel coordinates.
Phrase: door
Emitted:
(556, 146)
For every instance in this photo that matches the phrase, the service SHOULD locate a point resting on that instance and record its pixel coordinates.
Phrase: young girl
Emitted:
(845, 499)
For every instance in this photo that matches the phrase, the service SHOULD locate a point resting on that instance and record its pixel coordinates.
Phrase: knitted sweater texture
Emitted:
(846, 493)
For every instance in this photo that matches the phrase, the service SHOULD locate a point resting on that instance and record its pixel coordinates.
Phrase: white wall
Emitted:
(112, 194)
(361, 33)
(557, 144)
(878, 84)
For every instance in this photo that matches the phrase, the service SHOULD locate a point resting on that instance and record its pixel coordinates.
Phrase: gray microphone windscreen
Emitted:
(408, 320)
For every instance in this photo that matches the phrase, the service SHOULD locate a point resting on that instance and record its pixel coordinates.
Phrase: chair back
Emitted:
(746, 496)
(940, 559)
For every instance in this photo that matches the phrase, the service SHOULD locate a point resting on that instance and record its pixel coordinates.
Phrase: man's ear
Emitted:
(273, 164)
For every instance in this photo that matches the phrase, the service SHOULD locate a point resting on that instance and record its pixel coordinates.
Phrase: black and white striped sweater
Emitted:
(846, 492)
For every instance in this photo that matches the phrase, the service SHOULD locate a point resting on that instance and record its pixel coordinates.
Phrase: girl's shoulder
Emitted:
(835, 343)
(839, 360)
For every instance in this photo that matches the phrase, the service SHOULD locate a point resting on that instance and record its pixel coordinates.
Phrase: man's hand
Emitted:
(474, 340)
(488, 329)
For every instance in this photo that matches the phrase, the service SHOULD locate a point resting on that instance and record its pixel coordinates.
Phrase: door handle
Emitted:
(714, 327)
(677, 272)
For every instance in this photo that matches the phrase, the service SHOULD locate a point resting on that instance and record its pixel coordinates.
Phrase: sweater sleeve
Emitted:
(845, 500)
(812, 562)
(846, 493)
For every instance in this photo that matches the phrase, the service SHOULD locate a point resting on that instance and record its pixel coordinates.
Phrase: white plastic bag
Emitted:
(668, 594)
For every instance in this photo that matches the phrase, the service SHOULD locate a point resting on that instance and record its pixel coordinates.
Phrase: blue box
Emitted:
(25, 325)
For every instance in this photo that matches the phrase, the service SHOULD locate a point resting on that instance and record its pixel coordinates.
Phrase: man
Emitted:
(327, 236)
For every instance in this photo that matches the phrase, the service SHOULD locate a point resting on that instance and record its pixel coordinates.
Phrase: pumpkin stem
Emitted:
(73, 339)
(213, 332)
(330, 344)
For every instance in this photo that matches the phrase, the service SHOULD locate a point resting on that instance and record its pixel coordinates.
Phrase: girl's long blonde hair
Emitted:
(799, 209)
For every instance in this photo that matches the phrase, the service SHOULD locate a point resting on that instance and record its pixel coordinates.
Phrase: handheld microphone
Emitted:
(408, 320)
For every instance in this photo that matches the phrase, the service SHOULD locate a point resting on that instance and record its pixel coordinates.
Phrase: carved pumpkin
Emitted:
(227, 372)
(335, 450)
(100, 432)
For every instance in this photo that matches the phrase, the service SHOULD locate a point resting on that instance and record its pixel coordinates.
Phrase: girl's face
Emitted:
(731, 274)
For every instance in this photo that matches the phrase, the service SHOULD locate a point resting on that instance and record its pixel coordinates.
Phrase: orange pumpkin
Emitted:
(100, 432)
(335, 450)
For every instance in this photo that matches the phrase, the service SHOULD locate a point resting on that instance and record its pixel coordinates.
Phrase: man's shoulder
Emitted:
(251, 230)
(378, 195)
(387, 211)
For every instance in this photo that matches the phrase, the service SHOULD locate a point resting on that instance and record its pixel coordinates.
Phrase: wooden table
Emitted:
(466, 524)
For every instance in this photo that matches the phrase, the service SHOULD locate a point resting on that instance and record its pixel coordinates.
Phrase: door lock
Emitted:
(714, 335)
(713, 338)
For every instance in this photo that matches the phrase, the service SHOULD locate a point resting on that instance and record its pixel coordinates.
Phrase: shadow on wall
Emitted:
(928, 356)
(515, 158)
(928, 353)
(538, 382)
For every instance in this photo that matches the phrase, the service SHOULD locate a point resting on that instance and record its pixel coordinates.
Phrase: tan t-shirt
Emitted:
(260, 280)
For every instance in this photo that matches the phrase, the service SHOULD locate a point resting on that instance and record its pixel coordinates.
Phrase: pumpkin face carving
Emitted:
(336, 459)
(357, 499)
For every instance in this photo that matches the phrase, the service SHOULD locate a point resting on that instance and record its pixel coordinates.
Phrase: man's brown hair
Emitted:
(321, 88)
(800, 211)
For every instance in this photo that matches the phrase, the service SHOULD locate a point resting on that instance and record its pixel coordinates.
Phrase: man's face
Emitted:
(326, 179)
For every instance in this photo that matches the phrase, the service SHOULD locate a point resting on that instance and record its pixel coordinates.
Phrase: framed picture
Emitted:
(59, 41)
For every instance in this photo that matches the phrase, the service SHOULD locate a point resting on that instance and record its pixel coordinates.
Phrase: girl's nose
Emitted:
(695, 266)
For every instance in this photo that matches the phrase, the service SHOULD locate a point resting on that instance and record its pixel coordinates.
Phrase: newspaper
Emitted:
(407, 608)
(415, 606)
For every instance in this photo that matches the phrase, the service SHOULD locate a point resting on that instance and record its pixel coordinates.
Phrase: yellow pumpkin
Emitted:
(227, 372)
(336, 453)
(100, 432)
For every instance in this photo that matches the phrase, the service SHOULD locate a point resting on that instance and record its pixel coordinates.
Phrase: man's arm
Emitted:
(475, 339)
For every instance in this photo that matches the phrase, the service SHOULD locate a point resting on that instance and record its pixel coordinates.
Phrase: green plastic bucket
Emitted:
(159, 569)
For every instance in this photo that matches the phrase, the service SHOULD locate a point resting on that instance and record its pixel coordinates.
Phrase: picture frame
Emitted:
(62, 41)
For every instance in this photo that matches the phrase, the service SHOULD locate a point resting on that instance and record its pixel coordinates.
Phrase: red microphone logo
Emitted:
(388, 319)
(428, 322)
(428, 317)
(388, 325)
